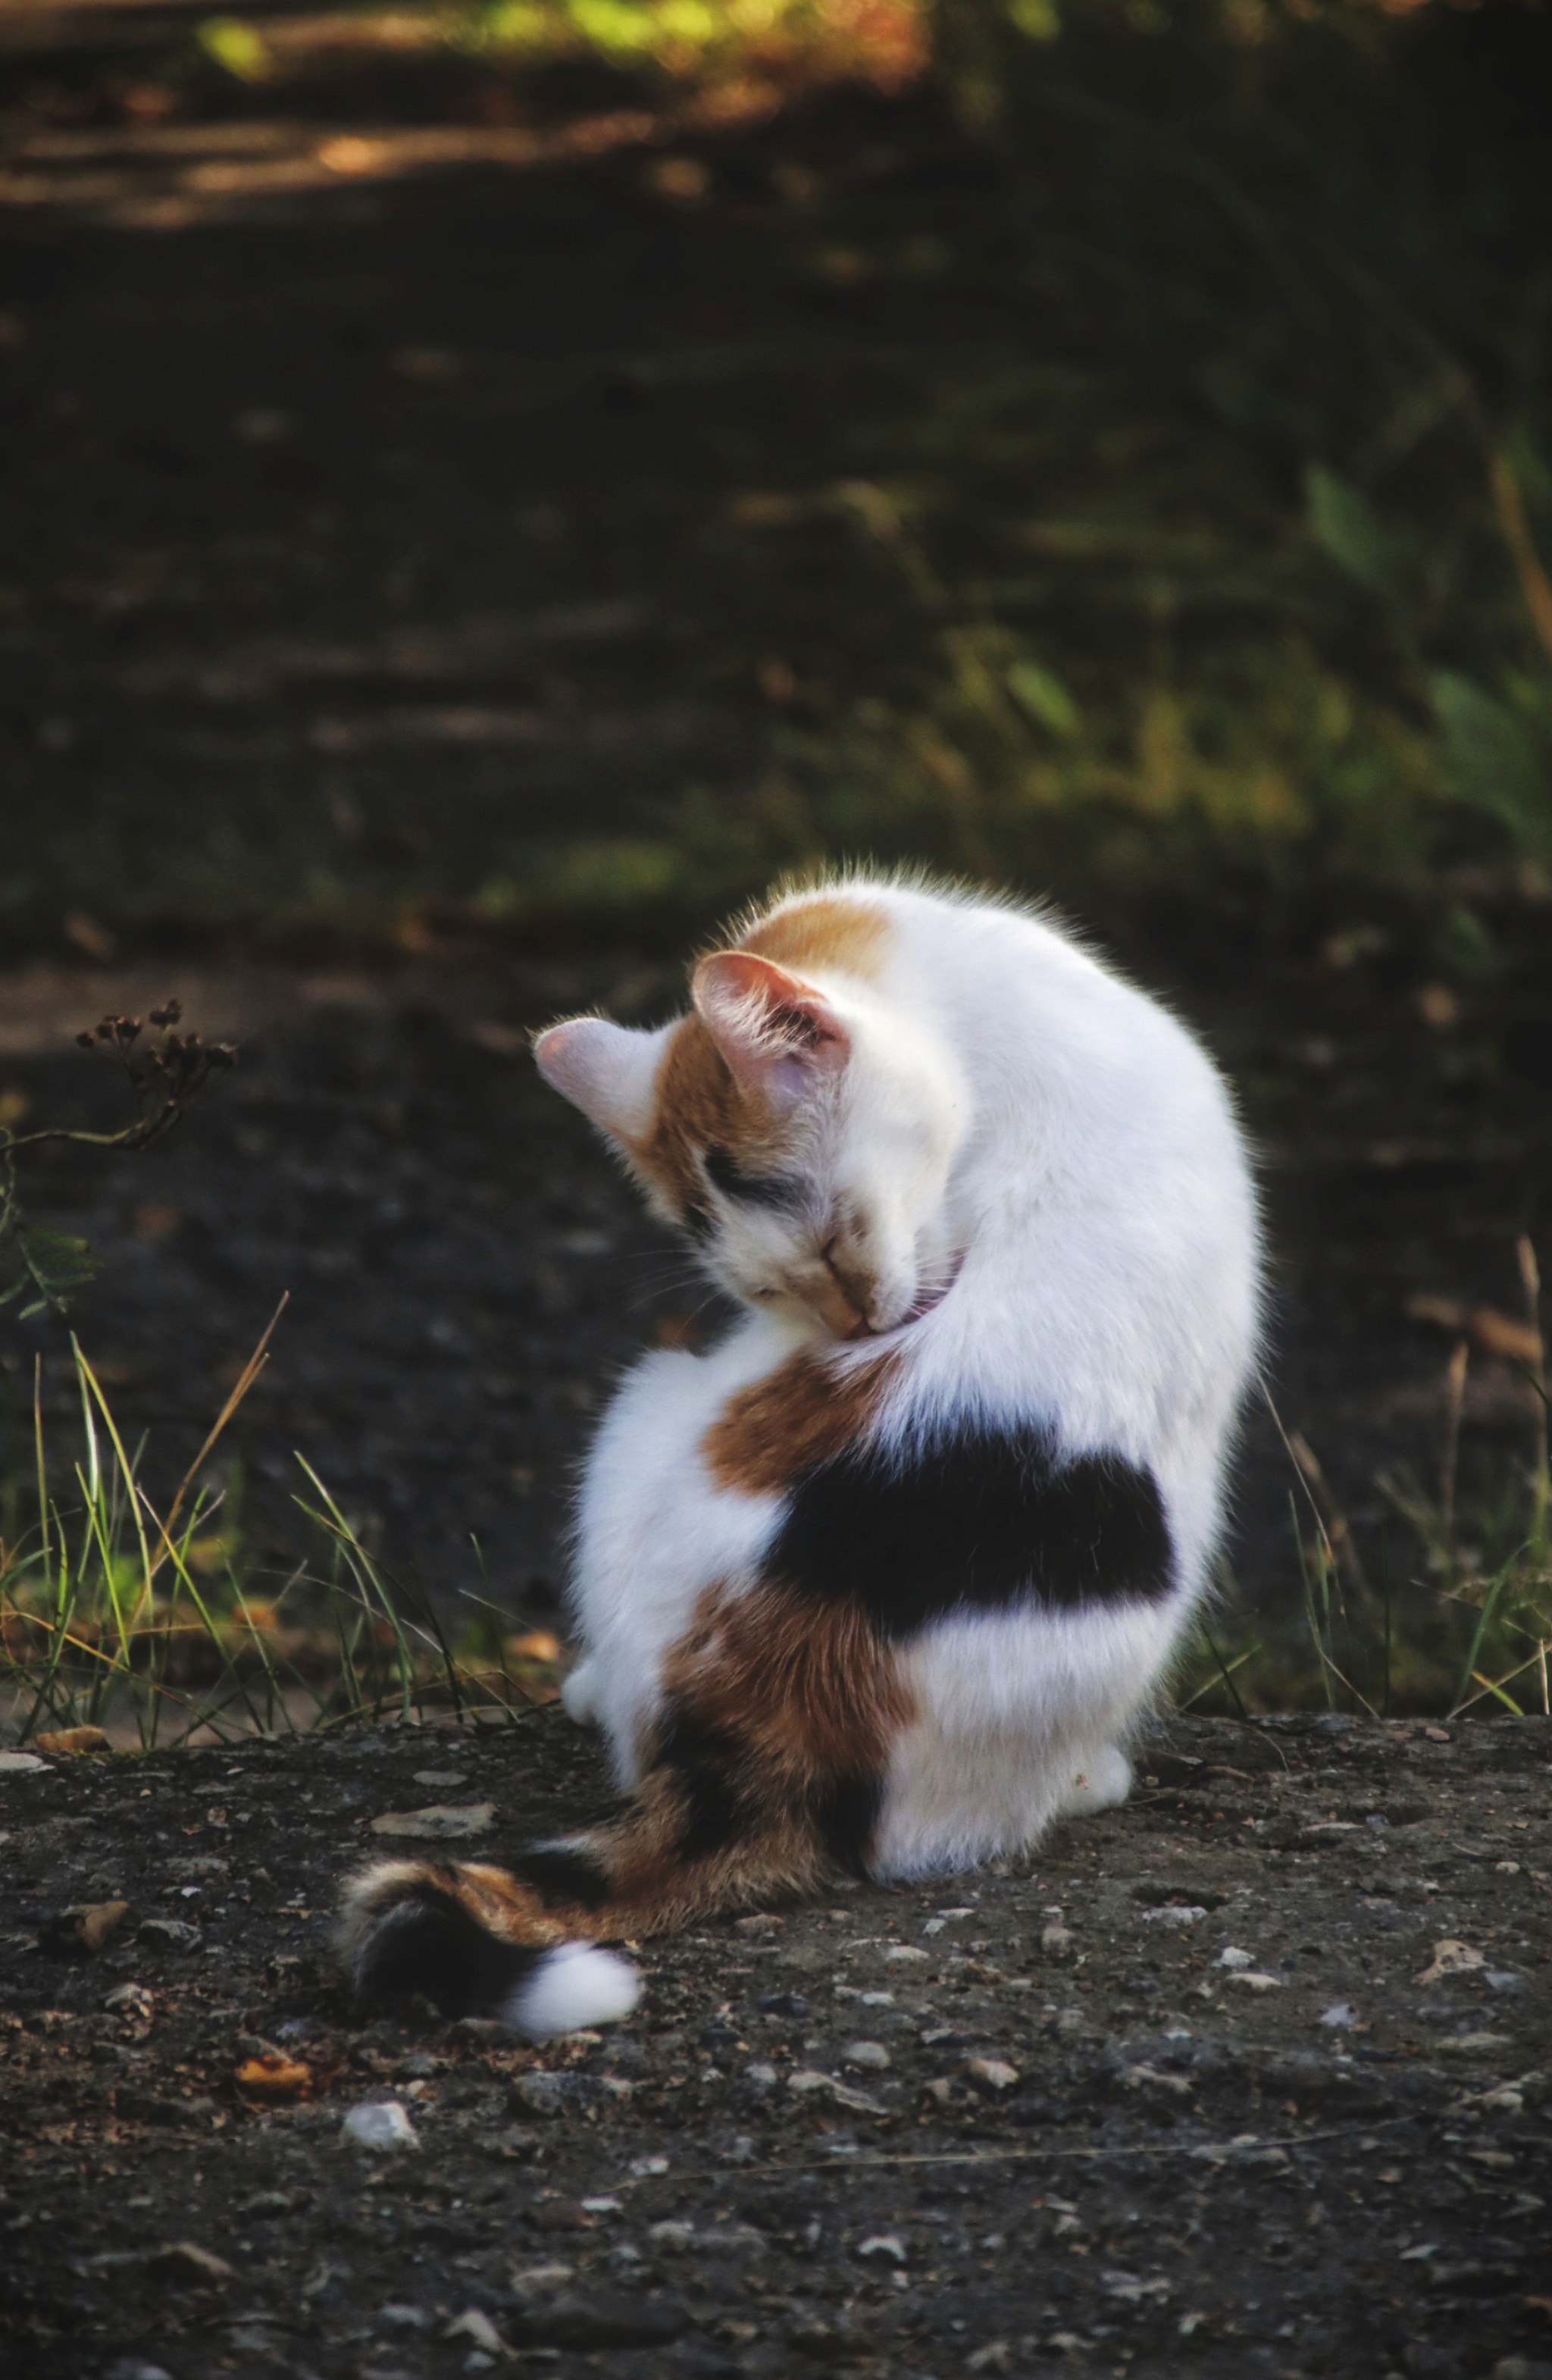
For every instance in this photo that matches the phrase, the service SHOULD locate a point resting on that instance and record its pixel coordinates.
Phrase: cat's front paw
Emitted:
(1097, 1781)
(578, 1694)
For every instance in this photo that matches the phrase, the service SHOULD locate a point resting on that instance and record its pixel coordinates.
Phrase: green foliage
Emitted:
(682, 36)
(1345, 523)
(1267, 210)
(44, 1265)
(1495, 761)
(235, 45)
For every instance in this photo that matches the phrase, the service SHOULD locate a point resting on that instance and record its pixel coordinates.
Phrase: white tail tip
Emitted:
(573, 1987)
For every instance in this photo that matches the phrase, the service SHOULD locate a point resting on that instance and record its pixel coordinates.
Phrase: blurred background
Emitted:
(491, 484)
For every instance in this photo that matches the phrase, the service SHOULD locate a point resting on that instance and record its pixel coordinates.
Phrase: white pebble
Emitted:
(1230, 1957)
(380, 2124)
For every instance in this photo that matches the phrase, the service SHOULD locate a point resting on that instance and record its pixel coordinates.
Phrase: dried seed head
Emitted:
(168, 1013)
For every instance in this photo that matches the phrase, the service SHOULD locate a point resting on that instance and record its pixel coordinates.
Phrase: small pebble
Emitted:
(872, 2057)
(380, 2124)
(479, 2329)
(185, 2265)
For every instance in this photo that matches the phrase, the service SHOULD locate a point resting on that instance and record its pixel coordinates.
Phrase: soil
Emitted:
(1210, 2085)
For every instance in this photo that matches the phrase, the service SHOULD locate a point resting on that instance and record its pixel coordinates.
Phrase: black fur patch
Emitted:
(846, 1819)
(564, 1875)
(974, 1525)
(782, 1192)
(705, 1762)
(429, 1943)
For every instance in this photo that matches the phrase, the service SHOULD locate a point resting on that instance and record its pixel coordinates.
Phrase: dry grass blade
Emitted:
(245, 1381)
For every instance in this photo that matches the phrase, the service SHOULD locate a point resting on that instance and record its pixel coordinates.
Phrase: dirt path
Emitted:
(1206, 2088)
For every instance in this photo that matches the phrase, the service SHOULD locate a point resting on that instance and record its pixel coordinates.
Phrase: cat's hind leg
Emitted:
(764, 1774)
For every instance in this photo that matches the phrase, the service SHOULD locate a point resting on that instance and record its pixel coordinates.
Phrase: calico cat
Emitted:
(877, 1584)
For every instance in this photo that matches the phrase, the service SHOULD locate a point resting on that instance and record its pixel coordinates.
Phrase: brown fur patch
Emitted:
(797, 1700)
(825, 932)
(810, 1693)
(699, 1106)
(806, 1411)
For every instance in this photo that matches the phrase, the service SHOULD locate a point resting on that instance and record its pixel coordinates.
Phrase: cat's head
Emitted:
(803, 1138)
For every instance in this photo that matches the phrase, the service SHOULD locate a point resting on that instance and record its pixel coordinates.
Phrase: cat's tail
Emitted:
(763, 1776)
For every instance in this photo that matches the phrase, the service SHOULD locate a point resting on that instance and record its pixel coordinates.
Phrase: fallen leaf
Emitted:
(272, 2077)
(1451, 1958)
(439, 1823)
(82, 1932)
(74, 1739)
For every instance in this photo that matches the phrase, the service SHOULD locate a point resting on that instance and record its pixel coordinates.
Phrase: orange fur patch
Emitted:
(810, 1693)
(803, 1413)
(825, 932)
(699, 1106)
(803, 1698)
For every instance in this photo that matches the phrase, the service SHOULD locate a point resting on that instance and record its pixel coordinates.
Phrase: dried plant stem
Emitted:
(1454, 1401)
(1541, 1481)
(1339, 1537)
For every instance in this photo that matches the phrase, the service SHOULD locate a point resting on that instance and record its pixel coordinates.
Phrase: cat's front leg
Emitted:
(1098, 1779)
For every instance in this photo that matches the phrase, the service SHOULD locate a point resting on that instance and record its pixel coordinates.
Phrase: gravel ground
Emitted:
(1254, 2075)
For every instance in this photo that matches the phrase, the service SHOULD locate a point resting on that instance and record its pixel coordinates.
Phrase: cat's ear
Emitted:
(780, 1036)
(604, 1070)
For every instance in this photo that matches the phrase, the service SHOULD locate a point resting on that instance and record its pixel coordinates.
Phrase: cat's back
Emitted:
(1044, 1030)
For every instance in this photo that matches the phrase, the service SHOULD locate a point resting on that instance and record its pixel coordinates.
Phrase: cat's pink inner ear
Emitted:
(602, 1069)
(778, 1034)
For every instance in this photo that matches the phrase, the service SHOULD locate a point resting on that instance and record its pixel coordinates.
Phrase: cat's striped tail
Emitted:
(763, 1777)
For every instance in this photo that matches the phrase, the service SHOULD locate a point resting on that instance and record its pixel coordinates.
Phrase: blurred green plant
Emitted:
(1213, 571)
(235, 45)
(693, 37)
